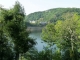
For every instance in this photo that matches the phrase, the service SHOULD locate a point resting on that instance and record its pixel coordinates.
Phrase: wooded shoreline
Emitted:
(34, 29)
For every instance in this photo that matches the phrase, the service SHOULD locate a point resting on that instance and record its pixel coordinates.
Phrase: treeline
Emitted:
(51, 15)
(35, 25)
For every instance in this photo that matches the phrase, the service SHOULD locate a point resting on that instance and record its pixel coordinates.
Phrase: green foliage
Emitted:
(5, 49)
(48, 36)
(65, 34)
(51, 15)
(45, 54)
(13, 31)
(15, 40)
(6, 52)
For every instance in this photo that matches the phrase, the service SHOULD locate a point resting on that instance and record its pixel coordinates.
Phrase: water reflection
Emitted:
(40, 44)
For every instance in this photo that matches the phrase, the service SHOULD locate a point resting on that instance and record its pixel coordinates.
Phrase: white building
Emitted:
(32, 22)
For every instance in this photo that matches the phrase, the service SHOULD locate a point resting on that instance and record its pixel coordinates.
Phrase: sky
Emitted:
(31, 6)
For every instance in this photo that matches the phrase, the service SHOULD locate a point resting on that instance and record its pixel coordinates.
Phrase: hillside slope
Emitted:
(51, 15)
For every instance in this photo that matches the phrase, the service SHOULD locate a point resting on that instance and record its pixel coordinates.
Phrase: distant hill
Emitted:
(51, 15)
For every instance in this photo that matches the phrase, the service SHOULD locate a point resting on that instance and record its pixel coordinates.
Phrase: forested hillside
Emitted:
(51, 15)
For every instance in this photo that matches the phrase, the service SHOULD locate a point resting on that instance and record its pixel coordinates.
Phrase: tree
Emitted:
(15, 29)
(48, 33)
(45, 54)
(65, 34)
(6, 52)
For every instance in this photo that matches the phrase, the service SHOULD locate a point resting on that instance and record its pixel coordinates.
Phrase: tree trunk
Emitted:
(72, 47)
(1, 56)
(17, 56)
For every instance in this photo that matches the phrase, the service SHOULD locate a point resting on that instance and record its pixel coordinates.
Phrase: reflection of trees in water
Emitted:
(34, 29)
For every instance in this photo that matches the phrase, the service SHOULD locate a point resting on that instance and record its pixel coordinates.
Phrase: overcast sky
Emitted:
(41, 5)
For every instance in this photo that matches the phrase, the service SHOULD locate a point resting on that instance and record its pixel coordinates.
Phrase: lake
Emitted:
(40, 43)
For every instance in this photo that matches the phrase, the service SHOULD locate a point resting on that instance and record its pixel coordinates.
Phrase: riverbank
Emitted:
(34, 29)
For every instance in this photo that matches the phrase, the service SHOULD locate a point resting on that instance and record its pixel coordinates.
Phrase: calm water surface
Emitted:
(40, 44)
